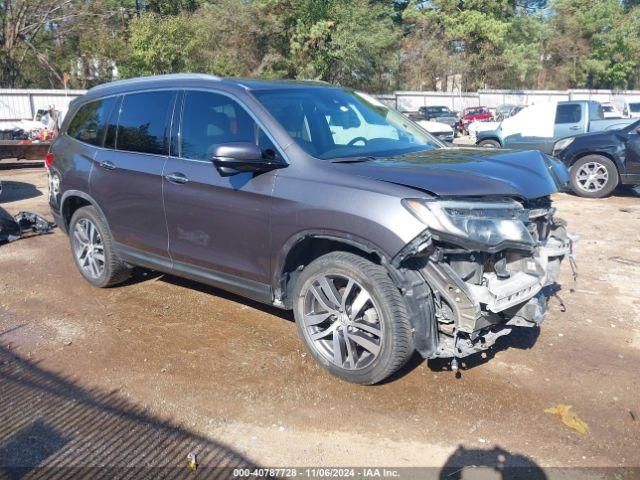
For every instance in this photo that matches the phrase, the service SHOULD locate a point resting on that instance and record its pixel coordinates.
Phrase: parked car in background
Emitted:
(503, 111)
(598, 162)
(628, 108)
(540, 126)
(441, 130)
(609, 111)
(475, 126)
(473, 114)
(382, 243)
(439, 114)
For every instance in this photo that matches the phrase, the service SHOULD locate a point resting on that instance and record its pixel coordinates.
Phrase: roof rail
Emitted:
(152, 78)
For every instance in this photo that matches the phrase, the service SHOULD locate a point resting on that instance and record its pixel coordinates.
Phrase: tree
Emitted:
(593, 44)
(350, 43)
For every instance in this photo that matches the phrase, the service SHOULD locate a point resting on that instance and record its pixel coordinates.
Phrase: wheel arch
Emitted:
(72, 200)
(304, 247)
(495, 139)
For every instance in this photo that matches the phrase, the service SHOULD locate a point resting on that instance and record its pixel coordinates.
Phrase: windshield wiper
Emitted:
(353, 159)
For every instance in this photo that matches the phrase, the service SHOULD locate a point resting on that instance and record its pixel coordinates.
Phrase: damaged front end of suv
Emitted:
(481, 267)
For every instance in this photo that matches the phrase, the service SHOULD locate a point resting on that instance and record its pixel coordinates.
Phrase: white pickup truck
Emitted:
(540, 126)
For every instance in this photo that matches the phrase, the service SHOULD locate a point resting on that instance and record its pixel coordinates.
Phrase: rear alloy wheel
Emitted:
(88, 248)
(92, 249)
(594, 176)
(352, 318)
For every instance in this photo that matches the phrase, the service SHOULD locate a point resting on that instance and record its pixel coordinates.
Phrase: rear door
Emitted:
(218, 225)
(126, 179)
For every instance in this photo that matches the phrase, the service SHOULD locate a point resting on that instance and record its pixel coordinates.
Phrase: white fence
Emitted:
(23, 104)
(411, 101)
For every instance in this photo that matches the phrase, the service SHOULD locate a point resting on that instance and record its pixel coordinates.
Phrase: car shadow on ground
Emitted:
(494, 463)
(51, 426)
(522, 338)
(201, 287)
(13, 165)
(15, 191)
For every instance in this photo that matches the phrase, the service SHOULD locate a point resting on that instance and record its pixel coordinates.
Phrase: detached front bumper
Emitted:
(477, 298)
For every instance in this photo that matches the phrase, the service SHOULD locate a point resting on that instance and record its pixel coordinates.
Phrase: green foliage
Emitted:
(159, 45)
(345, 42)
(375, 45)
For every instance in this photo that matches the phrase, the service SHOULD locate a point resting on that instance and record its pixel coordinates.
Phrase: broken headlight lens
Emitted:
(487, 222)
(562, 144)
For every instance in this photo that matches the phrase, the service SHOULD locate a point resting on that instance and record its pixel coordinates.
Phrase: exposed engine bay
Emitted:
(481, 291)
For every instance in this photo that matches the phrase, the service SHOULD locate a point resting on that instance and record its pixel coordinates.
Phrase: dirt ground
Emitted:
(143, 373)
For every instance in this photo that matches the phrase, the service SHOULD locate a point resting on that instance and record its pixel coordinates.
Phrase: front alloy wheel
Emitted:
(352, 318)
(594, 176)
(342, 322)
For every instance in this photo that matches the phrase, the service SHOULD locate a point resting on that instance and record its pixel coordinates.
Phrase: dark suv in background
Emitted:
(381, 240)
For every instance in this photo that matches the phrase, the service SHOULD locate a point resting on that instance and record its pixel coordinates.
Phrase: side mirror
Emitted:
(232, 158)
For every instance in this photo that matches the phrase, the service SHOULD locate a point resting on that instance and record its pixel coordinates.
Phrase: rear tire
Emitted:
(594, 176)
(92, 249)
(352, 318)
(489, 143)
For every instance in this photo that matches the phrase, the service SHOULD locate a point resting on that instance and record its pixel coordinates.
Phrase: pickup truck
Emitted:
(540, 126)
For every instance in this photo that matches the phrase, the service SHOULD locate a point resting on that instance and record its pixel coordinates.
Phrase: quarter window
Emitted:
(143, 122)
(88, 125)
(209, 119)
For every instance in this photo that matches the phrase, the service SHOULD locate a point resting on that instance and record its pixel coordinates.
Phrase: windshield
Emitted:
(634, 107)
(333, 123)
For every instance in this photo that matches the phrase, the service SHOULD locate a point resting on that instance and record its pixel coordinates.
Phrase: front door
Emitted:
(633, 152)
(569, 121)
(218, 225)
(126, 179)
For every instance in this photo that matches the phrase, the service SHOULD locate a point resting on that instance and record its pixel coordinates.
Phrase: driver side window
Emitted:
(209, 119)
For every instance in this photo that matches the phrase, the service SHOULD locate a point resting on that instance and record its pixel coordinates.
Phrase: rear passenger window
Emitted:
(88, 125)
(569, 113)
(144, 122)
(209, 119)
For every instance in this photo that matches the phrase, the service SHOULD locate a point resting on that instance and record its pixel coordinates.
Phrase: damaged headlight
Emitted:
(488, 223)
(562, 144)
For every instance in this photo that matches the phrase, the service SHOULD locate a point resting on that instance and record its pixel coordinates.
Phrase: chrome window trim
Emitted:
(178, 91)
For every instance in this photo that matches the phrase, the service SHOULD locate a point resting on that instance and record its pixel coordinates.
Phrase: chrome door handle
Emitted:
(107, 165)
(574, 128)
(178, 178)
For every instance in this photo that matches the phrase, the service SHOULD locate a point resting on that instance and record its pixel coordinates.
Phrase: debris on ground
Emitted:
(625, 261)
(569, 418)
(191, 461)
(21, 225)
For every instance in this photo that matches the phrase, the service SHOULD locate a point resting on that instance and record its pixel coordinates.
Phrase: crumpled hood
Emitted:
(469, 172)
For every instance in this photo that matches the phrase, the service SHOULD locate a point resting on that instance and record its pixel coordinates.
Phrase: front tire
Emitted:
(489, 143)
(594, 176)
(352, 318)
(92, 249)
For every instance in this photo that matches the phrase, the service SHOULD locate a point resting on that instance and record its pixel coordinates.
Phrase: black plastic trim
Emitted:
(260, 292)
